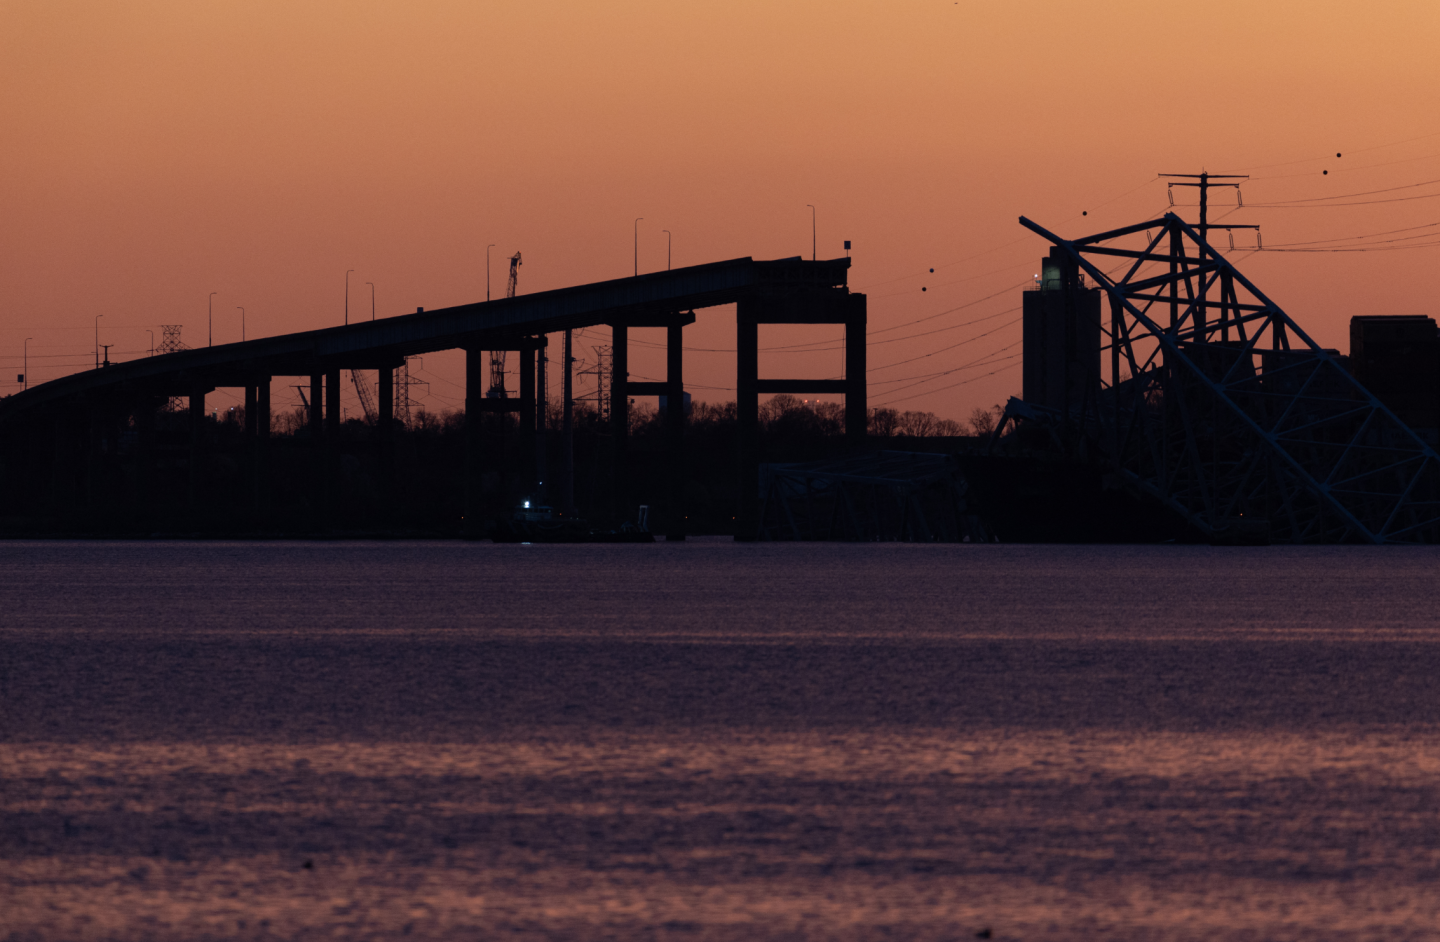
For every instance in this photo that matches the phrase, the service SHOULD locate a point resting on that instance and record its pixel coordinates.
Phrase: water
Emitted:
(716, 741)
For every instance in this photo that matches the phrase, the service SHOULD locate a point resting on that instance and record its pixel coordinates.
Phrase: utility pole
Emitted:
(1204, 182)
(26, 378)
(97, 340)
(812, 230)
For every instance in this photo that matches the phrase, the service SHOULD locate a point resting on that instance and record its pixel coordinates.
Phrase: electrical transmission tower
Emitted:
(497, 357)
(170, 343)
(403, 401)
(601, 372)
(170, 339)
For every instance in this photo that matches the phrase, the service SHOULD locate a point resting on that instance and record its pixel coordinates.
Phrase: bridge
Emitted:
(58, 440)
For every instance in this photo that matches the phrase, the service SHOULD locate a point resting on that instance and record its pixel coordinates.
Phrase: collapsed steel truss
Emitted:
(1227, 409)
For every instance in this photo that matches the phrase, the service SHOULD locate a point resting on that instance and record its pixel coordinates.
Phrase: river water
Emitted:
(717, 741)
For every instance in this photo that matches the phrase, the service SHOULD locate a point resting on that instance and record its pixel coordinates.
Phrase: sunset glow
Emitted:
(155, 152)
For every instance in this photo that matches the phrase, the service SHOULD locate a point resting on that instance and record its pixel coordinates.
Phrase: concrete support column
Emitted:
(567, 452)
(542, 473)
(332, 405)
(317, 445)
(249, 411)
(197, 431)
(619, 421)
(527, 423)
(332, 446)
(317, 408)
(675, 431)
(385, 434)
(144, 458)
(747, 408)
(856, 404)
(261, 429)
(476, 364)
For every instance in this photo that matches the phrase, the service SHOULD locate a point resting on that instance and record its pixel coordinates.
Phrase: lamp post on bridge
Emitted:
(242, 322)
(210, 342)
(812, 230)
(152, 340)
(347, 294)
(667, 248)
(372, 299)
(487, 270)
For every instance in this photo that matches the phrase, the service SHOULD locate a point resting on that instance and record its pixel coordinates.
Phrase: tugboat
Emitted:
(536, 523)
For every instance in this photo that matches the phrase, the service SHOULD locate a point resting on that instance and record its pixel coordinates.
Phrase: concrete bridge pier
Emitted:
(675, 430)
(257, 438)
(476, 363)
(619, 421)
(197, 449)
(527, 423)
(331, 447)
(385, 442)
(671, 518)
(826, 306)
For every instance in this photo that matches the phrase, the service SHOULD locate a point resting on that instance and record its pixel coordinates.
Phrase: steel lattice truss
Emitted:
(1218, 404)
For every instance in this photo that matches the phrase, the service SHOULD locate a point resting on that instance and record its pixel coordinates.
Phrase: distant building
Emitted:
(1397, 357)
(1061, 335)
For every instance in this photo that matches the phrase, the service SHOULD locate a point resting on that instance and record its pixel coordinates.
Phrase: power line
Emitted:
(963, 382)
(944, 349)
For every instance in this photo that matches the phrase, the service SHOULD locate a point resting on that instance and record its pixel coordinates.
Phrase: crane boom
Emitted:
(367, 399)
(497, 357)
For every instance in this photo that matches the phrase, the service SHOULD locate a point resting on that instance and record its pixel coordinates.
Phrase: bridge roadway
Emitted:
(85, 407)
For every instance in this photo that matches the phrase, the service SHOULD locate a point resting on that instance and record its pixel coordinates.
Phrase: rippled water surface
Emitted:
(717, 741)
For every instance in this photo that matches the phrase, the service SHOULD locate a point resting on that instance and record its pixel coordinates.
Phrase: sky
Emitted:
(154, 152)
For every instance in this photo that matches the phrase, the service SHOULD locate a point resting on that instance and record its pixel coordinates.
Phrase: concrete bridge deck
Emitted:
(89, 405)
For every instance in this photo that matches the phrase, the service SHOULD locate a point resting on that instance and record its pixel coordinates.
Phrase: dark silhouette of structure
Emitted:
(1397, 357)
(93, 443)
(1210, 400)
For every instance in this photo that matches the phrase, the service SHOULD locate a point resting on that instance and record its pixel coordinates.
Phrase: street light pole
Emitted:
(667, 248)
(211, 308)
(347, 294)
(487, 270)
(97, 340)
(372, 299)
(242, 322)
(152, 341)
(812, 230)
(27, 361)
(637, 245)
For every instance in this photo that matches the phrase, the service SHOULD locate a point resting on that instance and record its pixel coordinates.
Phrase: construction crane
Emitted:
(497, 357)
(367, 399)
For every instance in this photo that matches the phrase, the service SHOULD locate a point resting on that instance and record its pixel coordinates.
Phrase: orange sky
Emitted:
(155, 152)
